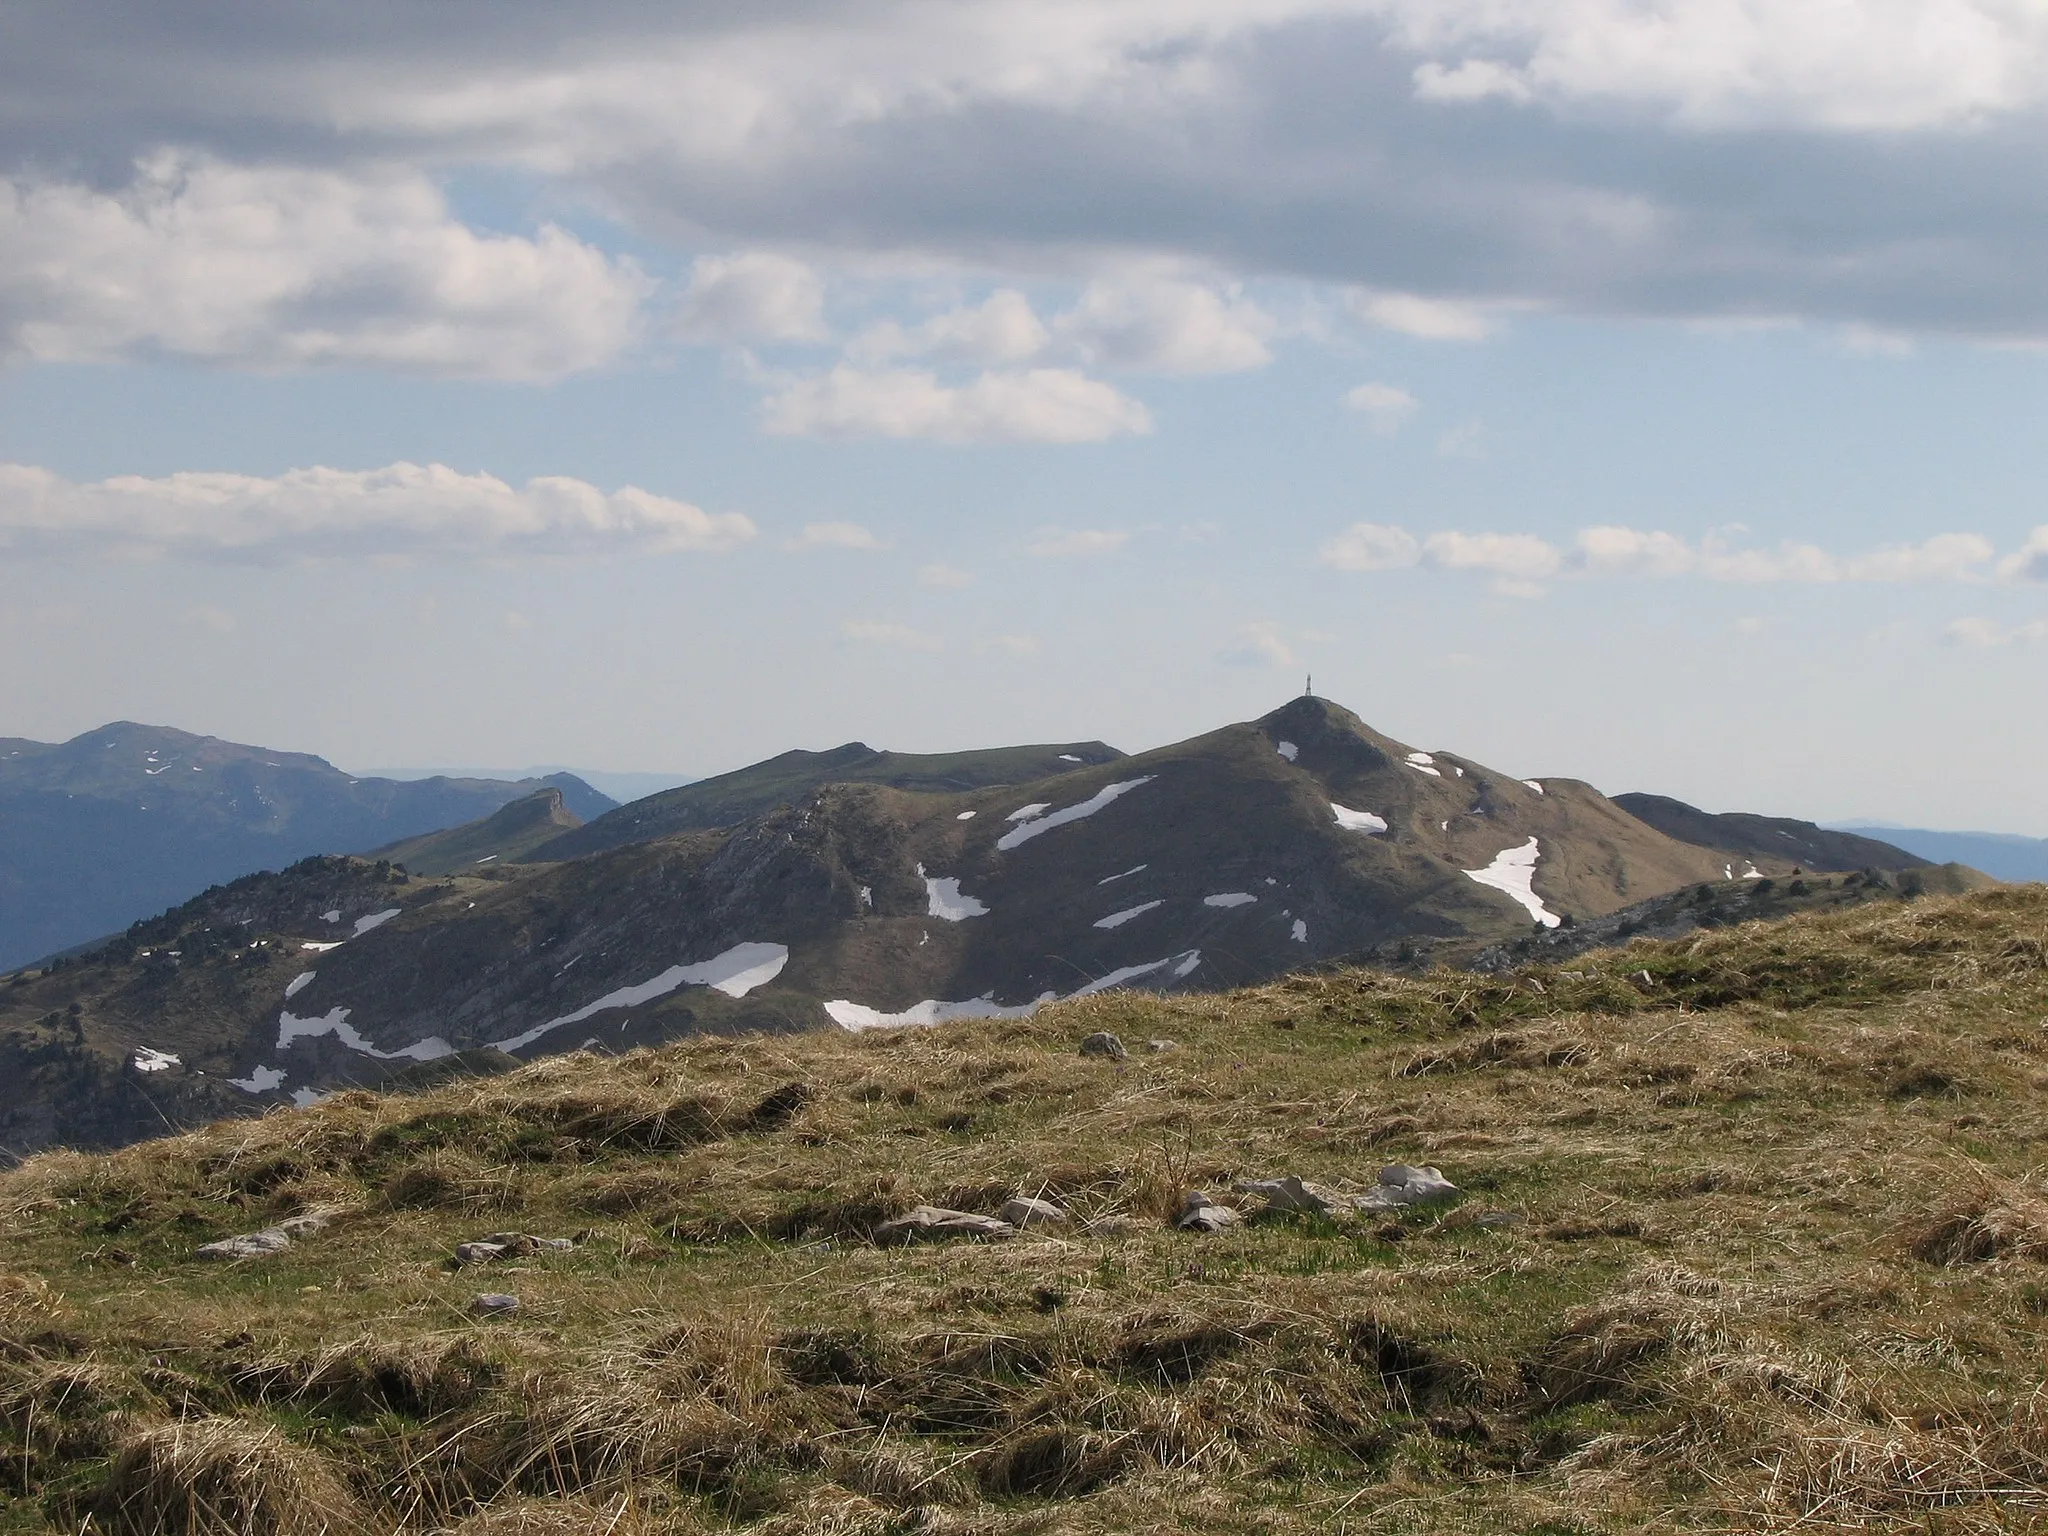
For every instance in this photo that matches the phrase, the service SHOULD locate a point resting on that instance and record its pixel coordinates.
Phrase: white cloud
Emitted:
(2030, 561)
(1945, 557)
(938, 575)
(1413, 315)
(1610, 551)
(1371, 547)
(1077, 543)
(753, 296)
(1166, 325)
(1386, 406)
(1519, 559)
(834, 536)
(401, 509)
(278, 268)
(881, 632)
(1987, 634)
(1013, 645)
(1258, 645)
(1003, 328)
(1038, 405)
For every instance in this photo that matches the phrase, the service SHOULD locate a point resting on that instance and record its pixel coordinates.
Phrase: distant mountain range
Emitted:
(124, 821)
(857, 888)
(1999, 854)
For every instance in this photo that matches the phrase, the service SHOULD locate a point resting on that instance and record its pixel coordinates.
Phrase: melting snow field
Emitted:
(335, 1022)
(1358, 821)
(1422, 762)
(1023, 832)
(261, 1080)
(297, 985)
(1068, 757)
(735, 972)
(1534, 785)
(149, 1060)
(1288, 750)
(1513, 873)
(1299, 933)
(1131, 871)
(306, 1098)
(1230, 899)
(1027, 812)
(320, 948)
(948, 902)
(1118, 919)
(331, 915)
(858, 1016)
(374, 920)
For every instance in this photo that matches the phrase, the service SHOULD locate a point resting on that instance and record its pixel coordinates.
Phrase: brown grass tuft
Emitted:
(223, 1477)
(1991, 1218)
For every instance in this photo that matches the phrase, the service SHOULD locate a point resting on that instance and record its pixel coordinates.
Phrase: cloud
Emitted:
(1038, 405)
(401, 509)
(1385, 406)
(937, 575)
(1520, 560)
(884, 633)
(1413, 315)
(1003, 328)
(1986, 634)
(285, 269)
(2030, 561)
(753, 296)
(1012, 645)
(1258, 645)
(1165, 325)
(1077, 543)
(834, 536)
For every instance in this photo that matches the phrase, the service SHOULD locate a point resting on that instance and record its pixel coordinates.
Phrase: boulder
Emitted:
(1401, 1185)
(1289, 1193)
(931, 1221)
(494, 1304)
(1103, 1043)
(1024, 1211)
(510, 1245)
(269, 1240)
(1157, 1046)
(1198, 1213)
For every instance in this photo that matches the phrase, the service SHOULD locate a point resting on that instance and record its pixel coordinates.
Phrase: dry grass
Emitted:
(1752, 1240)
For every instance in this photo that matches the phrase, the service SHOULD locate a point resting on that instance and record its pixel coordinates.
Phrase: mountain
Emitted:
(733, 797)
(502, 836)
(123, 821)
(1743, 836)
(1299, 839)
(2002, 854)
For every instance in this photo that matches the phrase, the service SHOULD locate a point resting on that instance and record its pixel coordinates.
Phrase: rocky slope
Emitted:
(1743, 836)
(503, 836)
(1299, 839)
(120, 822)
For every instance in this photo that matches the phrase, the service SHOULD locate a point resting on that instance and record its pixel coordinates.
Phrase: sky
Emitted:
(1649, 393)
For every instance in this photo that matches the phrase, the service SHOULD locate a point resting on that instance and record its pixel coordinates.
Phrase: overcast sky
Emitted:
(1652, 393)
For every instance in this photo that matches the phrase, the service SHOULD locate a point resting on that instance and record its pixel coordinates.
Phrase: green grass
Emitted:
(1756, 1243)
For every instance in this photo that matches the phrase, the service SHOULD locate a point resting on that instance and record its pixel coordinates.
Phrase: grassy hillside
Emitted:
(499, 838)
(1768, 837)
(1750, 1237)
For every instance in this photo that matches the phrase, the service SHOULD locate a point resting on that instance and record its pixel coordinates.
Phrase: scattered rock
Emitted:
(1024, 1211)
(261, 1244)
(510, 1245)
(494, 1304)
(931, 1221)
(1289, 1193)
(1156, 1046)
(1402, 1185)
(1198, 1213)
(1103, 1043)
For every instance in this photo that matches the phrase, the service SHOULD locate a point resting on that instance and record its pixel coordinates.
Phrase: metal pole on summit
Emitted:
(1308, 685)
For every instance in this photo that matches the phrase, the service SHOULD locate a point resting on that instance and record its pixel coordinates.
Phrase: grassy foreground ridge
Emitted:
(1752, 1237)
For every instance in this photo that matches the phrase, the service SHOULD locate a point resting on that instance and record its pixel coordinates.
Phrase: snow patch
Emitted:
(858, 1016)
(148, 1059)
(1118, 919)
(374, 920)
(306, 1098)
(1752, 873)
(1288, 750)
(965, 816)
(867, 896)
(735, 972)
(261, 1080)
(948, 902)
(335, 1022)
(1513, 873)
(1534, 785)
(1068, 757)
(1029, 812)
(297, 985)
(1358, 821)
(1131, 871)
(331, 915)
(1299, 933)
(487, 858)
(1422, 762)
(1023, 832)
(320, 948)
(1229, 899)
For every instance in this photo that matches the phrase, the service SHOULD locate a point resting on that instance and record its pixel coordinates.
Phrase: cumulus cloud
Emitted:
(1413, 315)
(1988, 634)
(834, 536)
(280, 268)
(753, 296)
(1077, 543)
(1037, 405)
(1167, 325)
(1003, 328)
(1385, 406)
(1522, 560)
(401, 509)
(888, 633)
(2030, 561)
(1257, 645)
(939, 575)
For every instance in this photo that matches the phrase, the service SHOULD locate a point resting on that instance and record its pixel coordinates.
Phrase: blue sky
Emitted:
(1651, 395)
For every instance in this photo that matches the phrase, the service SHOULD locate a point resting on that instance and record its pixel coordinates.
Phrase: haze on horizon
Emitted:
(1652, 395)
